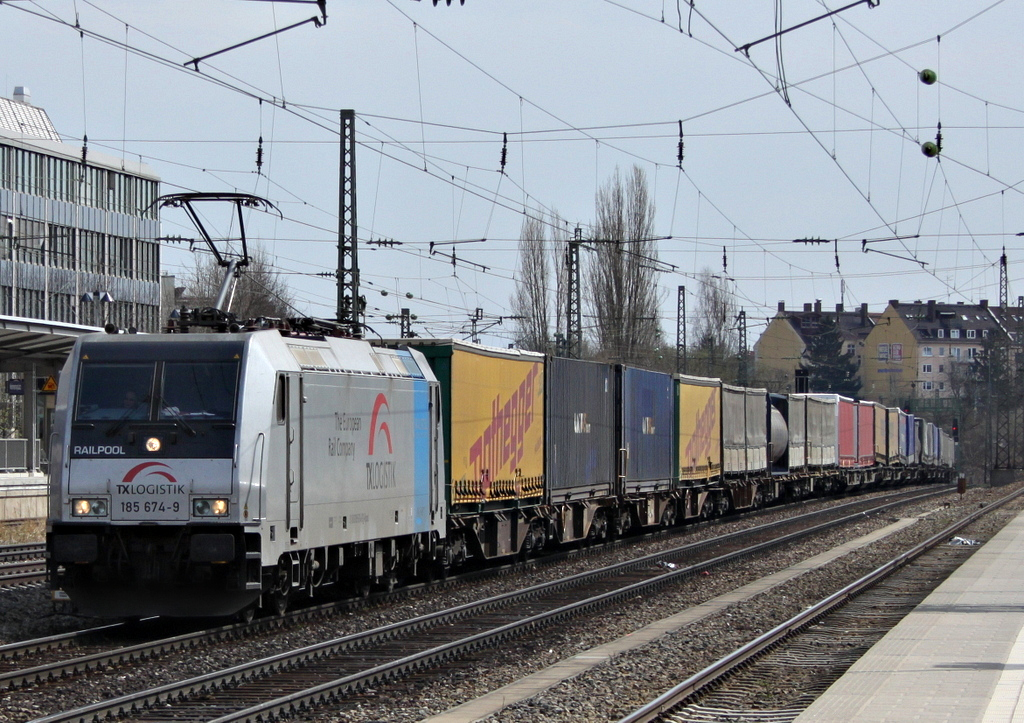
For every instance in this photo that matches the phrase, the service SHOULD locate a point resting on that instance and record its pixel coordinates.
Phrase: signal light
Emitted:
(956, 429)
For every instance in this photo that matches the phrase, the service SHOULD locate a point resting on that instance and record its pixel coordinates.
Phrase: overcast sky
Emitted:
(817, 135)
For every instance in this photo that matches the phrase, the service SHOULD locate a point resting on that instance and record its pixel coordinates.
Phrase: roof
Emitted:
(27, 126)
(926, 318)
(854, 325)
(37, 340)
(26, 120)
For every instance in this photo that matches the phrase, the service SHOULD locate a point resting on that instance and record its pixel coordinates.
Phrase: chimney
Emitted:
(22, 95)
(894, 302)
(807, 307)
(931, 310)
(983, 303)
(839, 308)
(817, 305)
(782, 306)
(864, 314)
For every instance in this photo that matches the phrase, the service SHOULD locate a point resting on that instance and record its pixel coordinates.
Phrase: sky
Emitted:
(814, 135)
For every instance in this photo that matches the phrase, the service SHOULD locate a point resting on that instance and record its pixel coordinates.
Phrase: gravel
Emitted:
(605, 693)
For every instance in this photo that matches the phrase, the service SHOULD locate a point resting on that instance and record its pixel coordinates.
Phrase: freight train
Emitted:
(218, 474)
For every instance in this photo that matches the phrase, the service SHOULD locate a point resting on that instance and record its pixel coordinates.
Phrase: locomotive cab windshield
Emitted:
(174, 391)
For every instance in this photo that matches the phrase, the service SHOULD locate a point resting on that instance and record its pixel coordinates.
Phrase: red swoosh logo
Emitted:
(381, 401)
(137, 469)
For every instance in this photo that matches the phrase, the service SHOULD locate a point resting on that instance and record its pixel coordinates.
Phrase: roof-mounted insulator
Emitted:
(504, 151)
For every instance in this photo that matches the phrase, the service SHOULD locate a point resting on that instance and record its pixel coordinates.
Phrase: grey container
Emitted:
(646, 431)
(579, 429)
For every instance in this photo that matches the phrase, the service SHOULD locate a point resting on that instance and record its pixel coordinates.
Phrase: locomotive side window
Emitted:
(199, 390)
(114, 391)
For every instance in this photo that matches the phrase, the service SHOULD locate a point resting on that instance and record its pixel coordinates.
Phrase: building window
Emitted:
(972, 333)
(927, 386)
(941, 333)
(942, 385)
(984, 333)
(926, 351)
(926, 368)
(971, 352)
(851, 349)
(941, 368)
(954, 333)
(942, 351)
(954, 351)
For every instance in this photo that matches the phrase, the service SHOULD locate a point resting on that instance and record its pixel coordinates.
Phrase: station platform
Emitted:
(958, 657)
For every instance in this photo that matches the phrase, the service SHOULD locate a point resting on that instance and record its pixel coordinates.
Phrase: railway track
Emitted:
(23, 551)
(821, 642)
(281, 684)
(22, 565)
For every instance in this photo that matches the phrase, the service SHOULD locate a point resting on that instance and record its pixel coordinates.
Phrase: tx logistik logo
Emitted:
(380, 475)
(138, 481)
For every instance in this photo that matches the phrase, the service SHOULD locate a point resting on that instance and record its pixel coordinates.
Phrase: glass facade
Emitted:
(73, 231)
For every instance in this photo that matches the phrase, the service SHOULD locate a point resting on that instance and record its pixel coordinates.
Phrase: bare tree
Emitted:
(530, 304)
(622, 288)
(541, 280)
(259, 290)
(716, 344)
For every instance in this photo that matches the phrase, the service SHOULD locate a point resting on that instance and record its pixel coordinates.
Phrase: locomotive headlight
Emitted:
(153, 444)
(88, 508)
(209, 508)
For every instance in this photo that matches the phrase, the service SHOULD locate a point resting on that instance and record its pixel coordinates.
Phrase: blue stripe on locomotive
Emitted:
(421, 454)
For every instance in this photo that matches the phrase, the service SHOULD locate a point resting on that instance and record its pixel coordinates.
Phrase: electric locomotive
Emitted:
(206, 474)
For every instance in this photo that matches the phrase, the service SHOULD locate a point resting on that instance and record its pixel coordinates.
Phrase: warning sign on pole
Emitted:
(49, 386)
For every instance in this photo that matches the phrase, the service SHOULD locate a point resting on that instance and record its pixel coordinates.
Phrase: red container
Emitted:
(865, 434)
(847, 432)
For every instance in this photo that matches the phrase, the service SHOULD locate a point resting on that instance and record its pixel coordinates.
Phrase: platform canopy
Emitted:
(24, 342)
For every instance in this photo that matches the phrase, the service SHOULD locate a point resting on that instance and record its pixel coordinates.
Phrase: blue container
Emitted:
(646, 429)
(579, 428)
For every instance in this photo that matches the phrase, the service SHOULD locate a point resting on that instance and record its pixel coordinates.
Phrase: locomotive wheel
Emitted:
(282, 592)
(246, 614)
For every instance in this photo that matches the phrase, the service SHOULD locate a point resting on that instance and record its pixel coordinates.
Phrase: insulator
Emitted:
(504, 151)
(259, 156)
(679, 153)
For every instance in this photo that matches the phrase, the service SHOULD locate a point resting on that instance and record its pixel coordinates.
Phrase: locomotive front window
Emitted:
(199, 390)
(115, 391)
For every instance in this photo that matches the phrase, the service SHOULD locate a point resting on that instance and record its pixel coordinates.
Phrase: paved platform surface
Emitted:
(959, 657)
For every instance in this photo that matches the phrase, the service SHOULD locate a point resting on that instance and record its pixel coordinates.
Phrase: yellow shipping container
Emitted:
(497, 427)
(700, 427)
